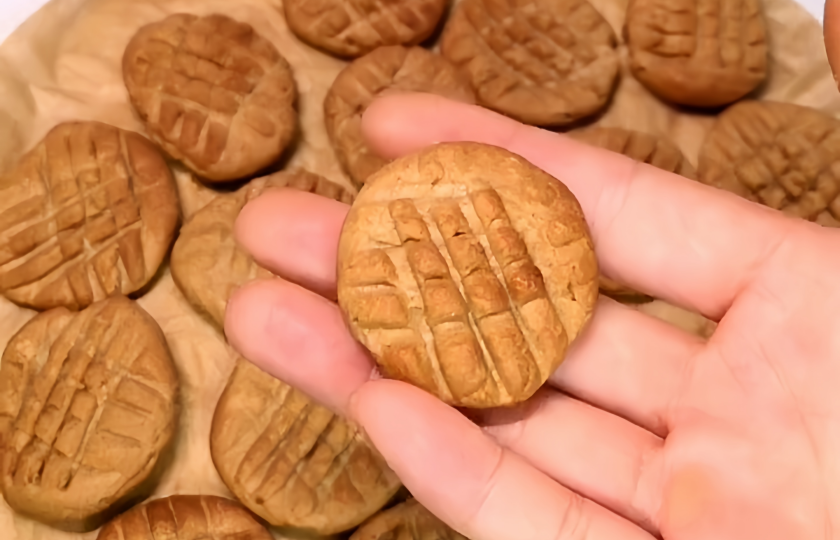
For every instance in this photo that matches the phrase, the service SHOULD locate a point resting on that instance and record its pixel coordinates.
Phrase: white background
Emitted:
(14, 12)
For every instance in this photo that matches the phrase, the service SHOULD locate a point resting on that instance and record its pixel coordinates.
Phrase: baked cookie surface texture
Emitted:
(213, 94)
(90, 211)
(542, 62)
(352, 28)
(88, 409)
(692, 52)
(292, 461)
(186, 517)
(467, 271)
(781, 155)
(406, 521)
(385, 70)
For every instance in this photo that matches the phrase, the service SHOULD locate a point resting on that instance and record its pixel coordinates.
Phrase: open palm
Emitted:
(645, 431)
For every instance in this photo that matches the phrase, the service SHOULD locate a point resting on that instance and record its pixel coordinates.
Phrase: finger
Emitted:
(597, 454)
(298, 337)
(631, 364)
(463, 477)
(294, 234)
(662, 234)
(626, 362)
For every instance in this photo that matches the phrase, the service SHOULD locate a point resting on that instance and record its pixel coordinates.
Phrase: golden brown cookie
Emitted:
(640, 146)
(208, 265)
(697, 53)
(186, 517)
(213, 93)
(406, 521)
(292, 461)
(385, 70)
(542, 62)
(90, 211)
(467, 271)
(781, 155)
(88, 409)
(352, 28)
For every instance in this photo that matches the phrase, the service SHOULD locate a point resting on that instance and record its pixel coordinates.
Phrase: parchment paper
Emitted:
(64, 64)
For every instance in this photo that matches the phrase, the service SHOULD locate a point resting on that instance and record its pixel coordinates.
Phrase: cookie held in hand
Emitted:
(183, 517)
(781, 155)
(542, 62)
(695, 53)
(294, 462)
(212, 93)
(406, 521)
(90, 211)
(352, 28)
(385, 70)
(467, 271)
(208, 265)
(88, 410)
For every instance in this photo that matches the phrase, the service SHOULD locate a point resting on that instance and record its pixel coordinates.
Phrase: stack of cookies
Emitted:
(463, 269)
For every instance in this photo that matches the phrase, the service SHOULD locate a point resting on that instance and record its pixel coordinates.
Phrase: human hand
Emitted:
(644, 430)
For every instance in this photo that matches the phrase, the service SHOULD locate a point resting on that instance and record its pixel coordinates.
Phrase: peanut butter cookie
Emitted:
(385, 70)
(186, 517)
(352, 28)
(697, 53)
(406, 521)
(292, 461)
(467, 271)
(784, 156)
(88, 408)
(90, 211)
(213, 94)
(542, 62)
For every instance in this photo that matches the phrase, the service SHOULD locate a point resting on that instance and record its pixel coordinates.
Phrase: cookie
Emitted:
(385, 70)
(91, 210)
(784, 156)
(207, 264)
(467, 271)
(88, 409)
(406, 521)
(639, 146)
(186, 517)
(696, 53)
(212, 93)
(353, 28)
(293, 462)
(542, 62)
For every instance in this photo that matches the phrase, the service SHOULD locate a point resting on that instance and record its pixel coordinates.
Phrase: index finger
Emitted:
(660, 233)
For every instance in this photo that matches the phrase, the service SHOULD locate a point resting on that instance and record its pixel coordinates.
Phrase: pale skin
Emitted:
(645, 431)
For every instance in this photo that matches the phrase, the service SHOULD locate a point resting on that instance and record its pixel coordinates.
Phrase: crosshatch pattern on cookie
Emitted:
(453, 301)
(89, 212)
(208, 264)
(406, 521)
(87, 404)
(292, 461)
(698, 52)
(186, 517)
(784, 156)
(203, 85)
(545, 62)
(387, 69)
(355, 27)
